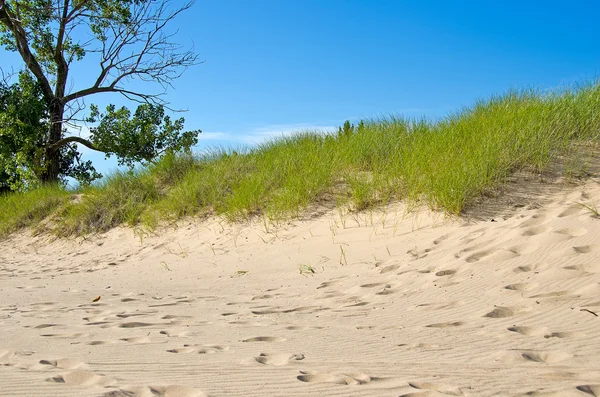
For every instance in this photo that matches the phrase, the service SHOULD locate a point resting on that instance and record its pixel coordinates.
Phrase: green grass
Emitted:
(445, 164)
(20, 210)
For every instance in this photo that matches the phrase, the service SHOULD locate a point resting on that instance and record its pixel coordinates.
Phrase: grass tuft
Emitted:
(26, 209)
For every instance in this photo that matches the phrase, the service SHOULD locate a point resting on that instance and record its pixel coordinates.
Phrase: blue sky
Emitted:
(274, 66)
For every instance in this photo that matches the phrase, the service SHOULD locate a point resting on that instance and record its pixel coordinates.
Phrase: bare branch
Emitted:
(7, 77)
(153, 98)
(140, 49)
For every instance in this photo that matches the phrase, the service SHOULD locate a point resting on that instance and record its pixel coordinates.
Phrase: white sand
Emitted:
(396, 306)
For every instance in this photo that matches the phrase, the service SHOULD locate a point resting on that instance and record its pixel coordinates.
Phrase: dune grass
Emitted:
(445, 164)
(20, 210)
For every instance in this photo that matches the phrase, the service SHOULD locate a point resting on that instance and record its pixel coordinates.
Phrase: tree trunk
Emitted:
(52, 155)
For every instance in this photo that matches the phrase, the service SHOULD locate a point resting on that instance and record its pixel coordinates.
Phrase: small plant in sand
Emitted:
(343, 256)
(306, 269)
(141, 234)
(591, 208)
(239, 273)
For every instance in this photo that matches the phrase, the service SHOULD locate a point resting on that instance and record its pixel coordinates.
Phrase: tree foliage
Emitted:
(348, 128)
(129, 41)
(141, 137)
(23, 115)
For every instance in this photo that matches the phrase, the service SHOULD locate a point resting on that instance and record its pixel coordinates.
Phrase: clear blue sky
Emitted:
(272, 66)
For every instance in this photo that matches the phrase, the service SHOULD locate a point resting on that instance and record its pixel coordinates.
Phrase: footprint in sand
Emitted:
(200, 349)
(276, 310)
(475, 234)
(164, 304)
(592, 390)
(438, 305)
(425, 393)
(374, 285)
(127, 315)
(296, 327)
(82, 378)
(211, 349)
(63, 363)
(137, 340)
(135, 324)
(227, 314)
(7, 356)
(518, 287)
(66, 336)
(583, 249)
(446, 325)
(523, 249)
(358, 304)
(561, 335)
(556, 294)
(501, 312)
(545, 357)
(156, 391)
(179, 317)
(387, 290)
(100, 342)
(269, 296)
(388, 268)
(503, 254)
(175, 333)
(430, 389)
(354, 378)
(526, 268)
(322, 285)
(185, 349)
(440, 239)
(278, 359)
(534, 231)
(341, 379)
(477, 256)
(527, 331)
(265, 339)
(580, 270)
(443, 273)
(572, 231)
(571, 210)
(42, 326)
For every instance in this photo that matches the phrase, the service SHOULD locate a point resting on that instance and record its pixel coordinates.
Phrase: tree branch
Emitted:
(150, 55)
(149, 98)
(14, 25)
(64, 141)
(62, 68)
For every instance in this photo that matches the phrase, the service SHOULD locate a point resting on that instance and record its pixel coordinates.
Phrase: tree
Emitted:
(128, 40)
(23, 127)
(347, 130)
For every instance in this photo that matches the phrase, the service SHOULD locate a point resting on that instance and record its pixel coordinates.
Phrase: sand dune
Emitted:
(385, 303)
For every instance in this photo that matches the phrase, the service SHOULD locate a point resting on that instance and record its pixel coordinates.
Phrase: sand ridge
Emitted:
(383, 303)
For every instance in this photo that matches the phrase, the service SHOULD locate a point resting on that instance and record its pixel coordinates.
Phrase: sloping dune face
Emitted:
(383, 303)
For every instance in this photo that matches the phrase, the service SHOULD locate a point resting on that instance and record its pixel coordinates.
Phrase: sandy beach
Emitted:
(504, 302)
